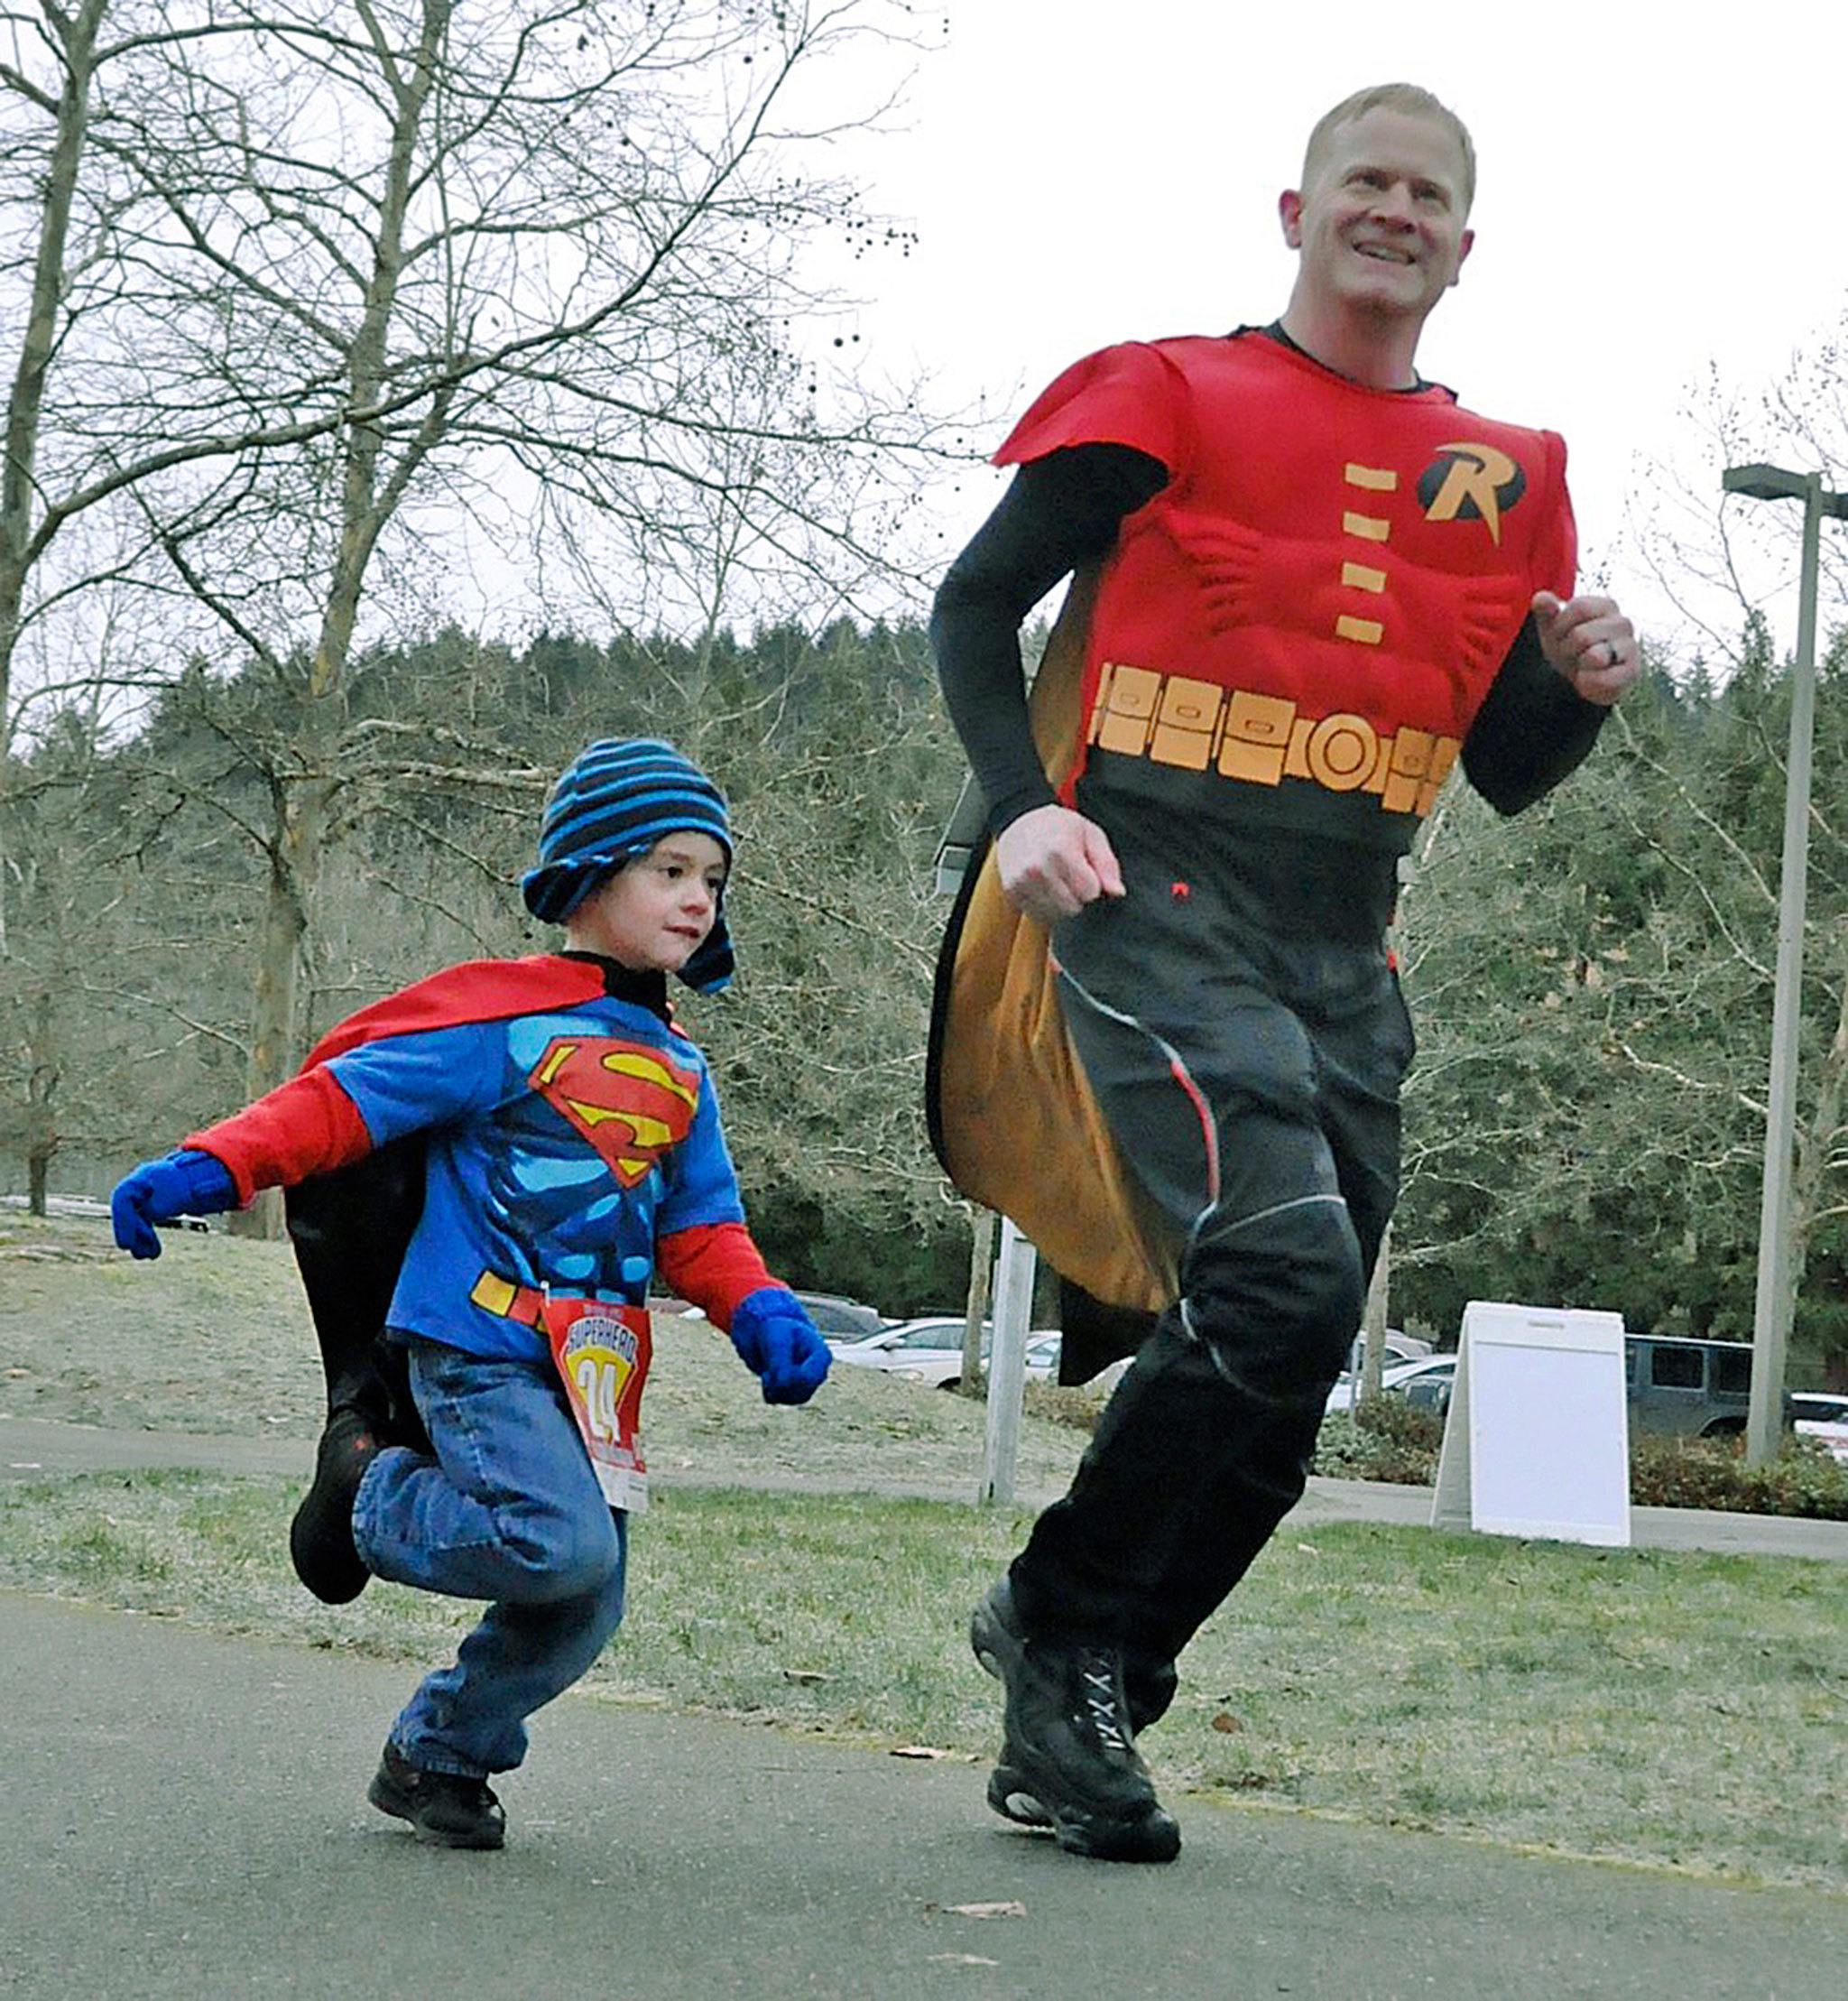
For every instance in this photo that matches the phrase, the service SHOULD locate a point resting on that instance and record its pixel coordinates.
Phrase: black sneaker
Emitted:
(446, 1808)
(1009, 1796)
(1068, 1756)
(320, 1537)
(1149, 1685)
(1149, 1682)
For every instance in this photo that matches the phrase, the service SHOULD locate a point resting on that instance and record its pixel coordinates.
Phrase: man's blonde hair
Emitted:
(1415, 102)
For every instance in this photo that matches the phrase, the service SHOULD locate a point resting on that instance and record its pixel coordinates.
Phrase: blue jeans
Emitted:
(509, 1510)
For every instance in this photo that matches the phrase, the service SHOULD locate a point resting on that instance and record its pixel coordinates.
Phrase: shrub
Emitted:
(1391, 1441)
(1697, 1472)
(1394, 1421)
(1387, 1439)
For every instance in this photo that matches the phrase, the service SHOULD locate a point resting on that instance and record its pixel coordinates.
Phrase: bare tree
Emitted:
(517, 243)
(79, 426)
(48, 120)
(390, 282)
(1720, 565)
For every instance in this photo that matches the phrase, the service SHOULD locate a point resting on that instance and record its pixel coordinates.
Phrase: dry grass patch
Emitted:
(214, 1336)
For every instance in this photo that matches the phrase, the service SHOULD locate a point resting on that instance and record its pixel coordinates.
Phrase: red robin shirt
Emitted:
(1302, 624)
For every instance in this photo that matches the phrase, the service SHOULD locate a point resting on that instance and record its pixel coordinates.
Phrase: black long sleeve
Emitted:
(1533, 729)
(1060, 511)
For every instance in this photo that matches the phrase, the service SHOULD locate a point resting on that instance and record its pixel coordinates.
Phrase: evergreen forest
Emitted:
(1591, 980)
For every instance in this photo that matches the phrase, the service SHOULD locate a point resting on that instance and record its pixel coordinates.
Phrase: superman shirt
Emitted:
(571, 1145)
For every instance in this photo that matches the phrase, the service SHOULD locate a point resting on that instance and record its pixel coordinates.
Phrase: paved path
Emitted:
(31, 1446)
(185, 1817)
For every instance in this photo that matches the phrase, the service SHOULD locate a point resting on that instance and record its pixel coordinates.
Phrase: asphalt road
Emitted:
(185, 1816)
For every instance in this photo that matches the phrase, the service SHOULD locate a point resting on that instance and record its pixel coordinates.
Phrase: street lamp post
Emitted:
(1016, 1262)
(1776, 1300)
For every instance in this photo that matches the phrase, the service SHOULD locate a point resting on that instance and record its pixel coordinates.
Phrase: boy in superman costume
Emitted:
(489, 1170)
(1169, 1039)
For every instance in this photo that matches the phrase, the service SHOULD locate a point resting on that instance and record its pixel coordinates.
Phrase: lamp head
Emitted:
(1765, 483)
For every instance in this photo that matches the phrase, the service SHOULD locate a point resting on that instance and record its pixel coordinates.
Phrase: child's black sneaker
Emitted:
(320, 1537)
(1068, 1754)
(448, 1808)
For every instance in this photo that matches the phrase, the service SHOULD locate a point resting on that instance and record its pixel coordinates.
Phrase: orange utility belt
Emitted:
(534, 1308)
(1263, 739)
(508, 1302)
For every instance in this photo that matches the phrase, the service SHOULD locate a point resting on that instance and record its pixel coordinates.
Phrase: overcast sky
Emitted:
(1656, 198)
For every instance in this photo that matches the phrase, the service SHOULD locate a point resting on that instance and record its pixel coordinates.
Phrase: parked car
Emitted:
(1425, 1381)
(1681, 1387)
(1042, 1357)
(1401, 1347)
(1042, 1364)
(1823, 1416)
(843, 1320)
(930, 1350)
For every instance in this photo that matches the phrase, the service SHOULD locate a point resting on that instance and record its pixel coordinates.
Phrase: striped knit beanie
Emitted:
(613, 802)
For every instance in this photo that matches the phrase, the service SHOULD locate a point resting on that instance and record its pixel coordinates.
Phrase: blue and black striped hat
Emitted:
(612, 803)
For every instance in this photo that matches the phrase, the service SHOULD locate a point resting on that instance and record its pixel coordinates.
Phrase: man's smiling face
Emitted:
(1381, 223)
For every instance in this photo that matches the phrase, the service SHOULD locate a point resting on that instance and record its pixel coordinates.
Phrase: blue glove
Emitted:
(778, 1344)
(184, 1183)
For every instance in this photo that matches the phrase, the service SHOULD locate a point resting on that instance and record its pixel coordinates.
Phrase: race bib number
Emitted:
(601, 1352)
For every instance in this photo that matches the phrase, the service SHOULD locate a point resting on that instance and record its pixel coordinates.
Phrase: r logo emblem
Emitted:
(1471, 482)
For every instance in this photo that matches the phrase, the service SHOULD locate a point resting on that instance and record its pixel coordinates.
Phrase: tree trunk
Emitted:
(305, 803)
(1816, 1145)
(981, 1272)
(1373, 1322)
(294, 868)
(38, 345)
(41, 1093)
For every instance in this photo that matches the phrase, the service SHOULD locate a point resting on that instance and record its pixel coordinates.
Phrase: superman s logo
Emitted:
(1469, 482)
(630, 1100)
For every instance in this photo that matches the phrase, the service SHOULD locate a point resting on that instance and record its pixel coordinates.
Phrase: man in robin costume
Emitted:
(1168, 1038)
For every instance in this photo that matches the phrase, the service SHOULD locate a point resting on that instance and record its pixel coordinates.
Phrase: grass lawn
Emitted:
(1671, 1708)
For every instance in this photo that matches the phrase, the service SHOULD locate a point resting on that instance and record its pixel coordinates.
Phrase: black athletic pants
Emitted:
(1250, 1068)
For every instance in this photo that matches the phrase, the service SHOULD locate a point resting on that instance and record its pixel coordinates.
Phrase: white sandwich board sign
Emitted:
(1538, 1438)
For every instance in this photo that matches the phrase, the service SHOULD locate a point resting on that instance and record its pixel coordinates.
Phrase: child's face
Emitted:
(654, 914)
